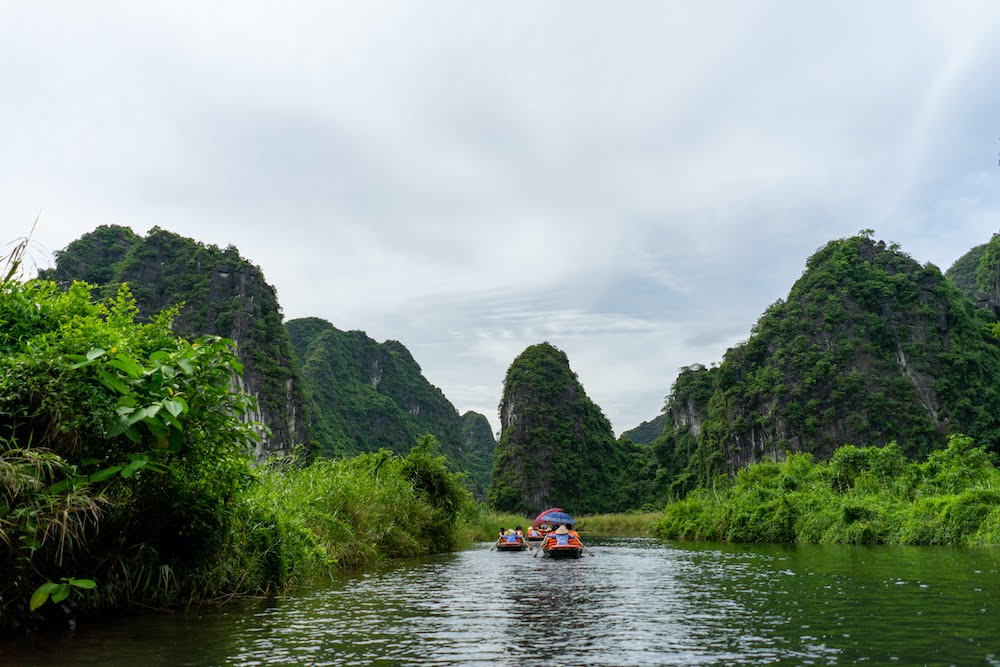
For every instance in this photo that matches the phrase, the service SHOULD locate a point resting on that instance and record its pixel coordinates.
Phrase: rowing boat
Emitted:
(562, 551)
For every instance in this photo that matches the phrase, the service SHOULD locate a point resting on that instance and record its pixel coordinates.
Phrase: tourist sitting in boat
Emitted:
(534, 534)
(511, 541)
(519, 532)
(562, 537)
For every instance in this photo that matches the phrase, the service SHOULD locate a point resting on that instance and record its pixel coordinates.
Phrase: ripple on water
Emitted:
(636, 602)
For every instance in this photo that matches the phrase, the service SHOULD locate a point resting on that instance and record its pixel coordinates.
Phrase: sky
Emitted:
(633, 182)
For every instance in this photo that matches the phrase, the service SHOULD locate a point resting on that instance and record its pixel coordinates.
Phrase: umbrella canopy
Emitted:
(553, 515)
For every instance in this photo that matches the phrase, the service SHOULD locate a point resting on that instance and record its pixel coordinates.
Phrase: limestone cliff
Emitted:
(556, 446)
(218, 292)
(977, 273)
(365, 395)
(478, 445)
(869, 347)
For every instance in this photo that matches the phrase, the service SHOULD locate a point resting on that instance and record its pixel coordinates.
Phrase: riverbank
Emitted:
(867, 495)
(126, 479)
(641, 524)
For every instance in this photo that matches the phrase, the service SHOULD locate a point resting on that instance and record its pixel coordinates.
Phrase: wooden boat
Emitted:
(562, 551)
(507, 544)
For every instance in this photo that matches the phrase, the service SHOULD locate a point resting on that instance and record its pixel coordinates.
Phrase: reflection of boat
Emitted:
(511, 543)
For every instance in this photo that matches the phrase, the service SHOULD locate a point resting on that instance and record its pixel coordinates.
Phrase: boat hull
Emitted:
(517, 546)
(563, 552)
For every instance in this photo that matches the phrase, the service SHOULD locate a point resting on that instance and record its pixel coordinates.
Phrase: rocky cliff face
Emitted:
(478, 445)
(869, 347)
(977, 274)
(367, 395)
(218, 292)
(556, 446)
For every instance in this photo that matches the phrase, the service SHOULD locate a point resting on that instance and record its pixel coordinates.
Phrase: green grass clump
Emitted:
(861, 496)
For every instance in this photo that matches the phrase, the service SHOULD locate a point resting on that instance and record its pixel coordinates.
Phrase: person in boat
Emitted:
(534, 534)
(520, 533)
(555, 538)
(510, 537)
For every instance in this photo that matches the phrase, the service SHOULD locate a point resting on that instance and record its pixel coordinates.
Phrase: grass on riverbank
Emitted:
(620, 524)
(861, 496)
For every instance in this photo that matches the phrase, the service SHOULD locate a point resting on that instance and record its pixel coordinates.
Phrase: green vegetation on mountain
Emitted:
(647, 432)
(556, 446)
(366, 396)
(868, 495)
(215, 292)
(963, 271)
(869, 347)
(478, 445)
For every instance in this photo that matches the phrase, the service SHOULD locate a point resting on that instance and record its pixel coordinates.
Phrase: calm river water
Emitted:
(637, 601)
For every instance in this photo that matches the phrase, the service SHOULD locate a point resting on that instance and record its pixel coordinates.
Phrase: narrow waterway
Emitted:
(636, 601)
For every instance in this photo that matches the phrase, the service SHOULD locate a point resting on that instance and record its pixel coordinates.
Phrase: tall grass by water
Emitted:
(861, 496)
(633, 523)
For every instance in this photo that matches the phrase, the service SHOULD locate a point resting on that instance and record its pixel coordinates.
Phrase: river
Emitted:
(636, 601)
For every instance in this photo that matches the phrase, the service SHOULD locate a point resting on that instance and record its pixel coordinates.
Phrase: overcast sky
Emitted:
(633, 182)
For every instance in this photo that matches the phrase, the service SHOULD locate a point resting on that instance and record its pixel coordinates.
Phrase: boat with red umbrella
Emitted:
(562, 543)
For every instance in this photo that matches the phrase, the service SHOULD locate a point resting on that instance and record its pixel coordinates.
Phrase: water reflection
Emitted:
(636, 602)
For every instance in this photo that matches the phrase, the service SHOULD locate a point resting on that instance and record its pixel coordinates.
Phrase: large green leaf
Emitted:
(126, 364)
(136, 415)
(111, 382)
(173, 406)
(61, 593)
(38, 598)
(103, 475)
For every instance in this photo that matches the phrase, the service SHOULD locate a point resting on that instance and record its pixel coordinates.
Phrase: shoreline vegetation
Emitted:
(127, 480)
(862, 495)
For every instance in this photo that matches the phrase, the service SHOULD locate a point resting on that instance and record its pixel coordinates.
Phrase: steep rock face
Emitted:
(478, 445)
(869, 347)
(556, 446)
(218, 292)
(366, 395)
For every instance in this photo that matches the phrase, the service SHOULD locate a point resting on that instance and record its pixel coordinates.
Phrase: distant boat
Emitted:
(511, 543)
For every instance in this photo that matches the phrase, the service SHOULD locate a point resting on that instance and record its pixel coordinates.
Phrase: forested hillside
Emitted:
(556, 446)
(365, 396)
(648, 431)
(869, 347)
(216, 292)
